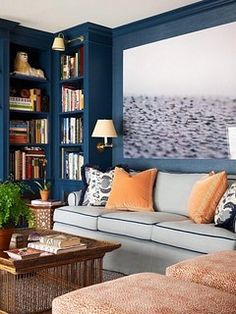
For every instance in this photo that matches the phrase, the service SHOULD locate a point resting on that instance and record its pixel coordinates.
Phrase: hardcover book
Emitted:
(49, 202)
(56, 250)
(60, 240)
(24, 253)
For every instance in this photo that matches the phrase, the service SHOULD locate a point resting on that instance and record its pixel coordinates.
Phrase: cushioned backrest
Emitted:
(172, 191)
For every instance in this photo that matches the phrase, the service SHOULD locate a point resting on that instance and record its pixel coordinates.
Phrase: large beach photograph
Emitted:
(179, 96)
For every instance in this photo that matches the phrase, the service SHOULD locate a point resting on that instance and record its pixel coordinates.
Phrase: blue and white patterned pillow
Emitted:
(97, 185)
(225, 215)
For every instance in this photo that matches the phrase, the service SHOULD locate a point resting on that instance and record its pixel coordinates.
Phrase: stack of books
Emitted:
(58, 243)
(19, 131)
(21, 103)
(17, 241)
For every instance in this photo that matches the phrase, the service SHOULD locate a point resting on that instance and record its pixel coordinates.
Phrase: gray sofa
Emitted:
(151, 241)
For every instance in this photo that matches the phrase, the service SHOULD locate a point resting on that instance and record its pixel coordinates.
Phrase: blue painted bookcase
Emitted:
(95, 83)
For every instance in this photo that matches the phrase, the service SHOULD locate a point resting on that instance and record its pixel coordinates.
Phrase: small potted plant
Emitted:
(13, 210)
(44, 189)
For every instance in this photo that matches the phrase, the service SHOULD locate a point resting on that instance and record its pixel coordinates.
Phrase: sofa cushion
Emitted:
(79, 216)
(132, 192)
(133, 224)
(203, 238)
(172, 191)
(225, 215)
(205, 196)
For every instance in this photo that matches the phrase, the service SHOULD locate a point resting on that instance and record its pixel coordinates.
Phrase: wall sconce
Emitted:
(104, 128)
(60, 42)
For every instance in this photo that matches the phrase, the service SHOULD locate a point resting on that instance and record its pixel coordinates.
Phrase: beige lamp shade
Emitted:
(104, 128)
(59, 43)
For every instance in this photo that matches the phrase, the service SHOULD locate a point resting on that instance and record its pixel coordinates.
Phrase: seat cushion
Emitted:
(79, 216)
(172, 191)
(203, 238)
(216, 270)
(145, 293)
(133, 224)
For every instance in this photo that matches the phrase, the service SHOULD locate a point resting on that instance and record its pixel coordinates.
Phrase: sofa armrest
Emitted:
(73, 198)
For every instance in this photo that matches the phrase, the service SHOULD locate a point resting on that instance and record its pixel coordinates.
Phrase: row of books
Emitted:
(72, 130)
(72, 99)
(72, 65)
(27, 164)
(33, 131)
(30, 100)
(47, 245)
(71, 165)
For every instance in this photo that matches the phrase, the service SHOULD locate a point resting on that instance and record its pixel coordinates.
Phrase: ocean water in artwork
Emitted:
(178, 127)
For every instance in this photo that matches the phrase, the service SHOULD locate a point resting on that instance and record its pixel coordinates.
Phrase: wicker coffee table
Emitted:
(29, 286)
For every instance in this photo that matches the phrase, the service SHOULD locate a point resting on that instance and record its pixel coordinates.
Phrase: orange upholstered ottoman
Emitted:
(217, 270)
(145, 293)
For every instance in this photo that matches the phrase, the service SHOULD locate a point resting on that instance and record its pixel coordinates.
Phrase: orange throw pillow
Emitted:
(205, 196)
(132, 192)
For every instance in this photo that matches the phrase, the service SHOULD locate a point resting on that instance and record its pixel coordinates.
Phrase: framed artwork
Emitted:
(179, 96)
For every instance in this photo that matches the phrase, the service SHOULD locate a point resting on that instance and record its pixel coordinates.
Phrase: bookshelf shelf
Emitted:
(75, 145)
(71, 113)
(72, 81)
(28, 78)
(28, 112)
(29, 144)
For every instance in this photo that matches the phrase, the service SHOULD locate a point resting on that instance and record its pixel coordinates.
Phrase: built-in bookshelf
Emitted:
(29, 116)
(71, 114)
(82, 95)
(52, 116)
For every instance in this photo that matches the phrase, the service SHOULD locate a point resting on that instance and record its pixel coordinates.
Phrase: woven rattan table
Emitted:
(29, 286)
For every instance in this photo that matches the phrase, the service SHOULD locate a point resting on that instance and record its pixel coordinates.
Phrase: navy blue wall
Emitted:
(195, 17)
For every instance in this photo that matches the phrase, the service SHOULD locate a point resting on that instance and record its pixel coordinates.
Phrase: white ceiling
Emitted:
(56, 15)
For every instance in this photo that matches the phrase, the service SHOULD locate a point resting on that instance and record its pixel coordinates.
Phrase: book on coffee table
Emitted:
(60, 240)
(24, 253)
(56, 250)
(49, 202)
